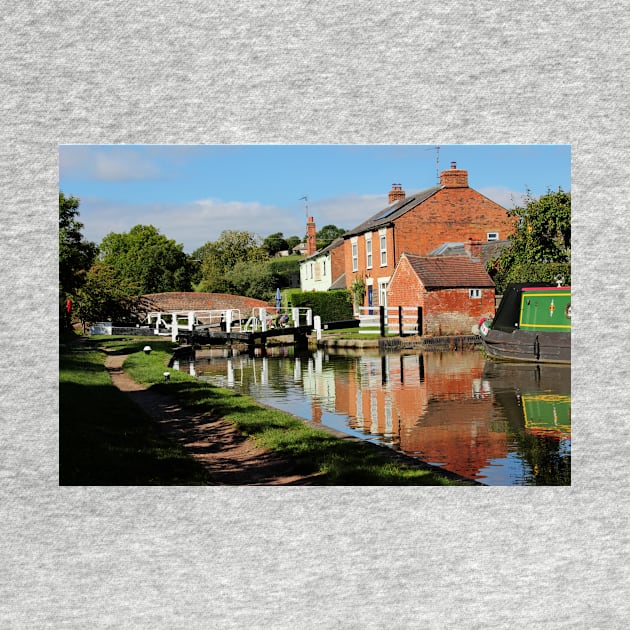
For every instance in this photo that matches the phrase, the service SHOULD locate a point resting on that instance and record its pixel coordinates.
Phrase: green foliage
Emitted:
(147, 259)
(331, 306)
(275, 243)
(286, 269)
(219, 258)
(336, 461)
(75, 254)
(257, 281)
(104, 440)
(542, 238)
(292, 241)
(538, 272)
(106, 296)
(327, 235)
(357, 290)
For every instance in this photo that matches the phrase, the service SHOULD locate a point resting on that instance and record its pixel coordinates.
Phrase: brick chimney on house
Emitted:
(454, 178)
(396, 193)
(311, 238)
(473, 248)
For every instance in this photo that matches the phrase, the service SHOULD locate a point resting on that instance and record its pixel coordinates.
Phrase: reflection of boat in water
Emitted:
(541, 391)
(532, 323)
(547, 415)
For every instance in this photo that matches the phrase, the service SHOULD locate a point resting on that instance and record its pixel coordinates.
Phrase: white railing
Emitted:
(393, 320)
(263, 319)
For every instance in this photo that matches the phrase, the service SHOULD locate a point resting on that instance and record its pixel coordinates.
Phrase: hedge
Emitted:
(331, 306)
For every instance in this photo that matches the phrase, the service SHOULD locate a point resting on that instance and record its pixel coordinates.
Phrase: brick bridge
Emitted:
(192, 301)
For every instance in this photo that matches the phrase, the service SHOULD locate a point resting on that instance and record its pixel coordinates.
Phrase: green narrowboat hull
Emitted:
(532, 324)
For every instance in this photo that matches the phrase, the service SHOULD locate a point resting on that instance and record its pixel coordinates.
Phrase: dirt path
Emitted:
(230, 458)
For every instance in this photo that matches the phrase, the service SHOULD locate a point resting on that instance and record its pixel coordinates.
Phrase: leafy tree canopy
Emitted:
(541, 243)
(75, 254)
(106, 296)
(148, 260)
(327, 235)
(275, 243)
(221, 256)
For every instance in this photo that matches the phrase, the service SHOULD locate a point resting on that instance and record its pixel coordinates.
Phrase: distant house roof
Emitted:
(437, 272)
(489, 250)
(392, 212)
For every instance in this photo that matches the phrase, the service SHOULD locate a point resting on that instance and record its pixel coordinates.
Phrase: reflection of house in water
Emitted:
(435, 406)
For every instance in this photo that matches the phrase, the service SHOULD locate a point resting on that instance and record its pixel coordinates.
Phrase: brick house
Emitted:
(418, 224)
(453, 291)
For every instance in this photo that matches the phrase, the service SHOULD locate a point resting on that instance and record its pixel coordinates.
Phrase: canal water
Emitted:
(497, 423)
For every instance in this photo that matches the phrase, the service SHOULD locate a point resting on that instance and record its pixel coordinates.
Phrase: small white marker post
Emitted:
(318, 326)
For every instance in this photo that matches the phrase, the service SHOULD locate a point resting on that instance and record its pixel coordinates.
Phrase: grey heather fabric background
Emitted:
(301, 72)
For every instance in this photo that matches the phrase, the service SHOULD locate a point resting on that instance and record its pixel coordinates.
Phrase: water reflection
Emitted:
(502, 424)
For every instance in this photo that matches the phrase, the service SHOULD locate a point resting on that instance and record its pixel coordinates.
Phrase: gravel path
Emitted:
(229, 457)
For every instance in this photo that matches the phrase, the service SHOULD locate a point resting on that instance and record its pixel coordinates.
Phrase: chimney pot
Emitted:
(454, 178)
(396, 193)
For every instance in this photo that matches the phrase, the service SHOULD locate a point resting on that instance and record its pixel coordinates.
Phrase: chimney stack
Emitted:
(473, 248)
(396, 193)
(454, 178)
(311, 237)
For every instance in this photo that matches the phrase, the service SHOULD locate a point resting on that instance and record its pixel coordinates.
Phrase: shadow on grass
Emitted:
(105, 439)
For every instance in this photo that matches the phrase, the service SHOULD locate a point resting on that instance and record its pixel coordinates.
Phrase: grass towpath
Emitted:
(199, 434)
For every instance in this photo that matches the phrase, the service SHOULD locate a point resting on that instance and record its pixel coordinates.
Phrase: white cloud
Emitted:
(503, 196)
(80, 162)
(194, 224)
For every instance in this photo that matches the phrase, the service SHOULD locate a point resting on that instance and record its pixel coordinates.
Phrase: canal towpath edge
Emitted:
(229, 457)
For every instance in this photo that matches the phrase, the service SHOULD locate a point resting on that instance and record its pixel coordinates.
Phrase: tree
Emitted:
(105, 296)
(275, 243)
(327, 235)
(540, 248)
(75, 254)
(222, 255)
(148, 260)
(257, 281)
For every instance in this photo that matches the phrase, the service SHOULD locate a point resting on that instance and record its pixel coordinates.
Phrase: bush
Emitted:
(331, 306)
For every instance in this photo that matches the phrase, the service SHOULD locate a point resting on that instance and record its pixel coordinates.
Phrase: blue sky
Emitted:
(191, 193)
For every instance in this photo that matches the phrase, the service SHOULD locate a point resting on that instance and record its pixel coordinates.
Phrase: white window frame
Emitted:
(382, 244)
(383, 284)
(355, 254)
(368, 251)
(474, 294)
(492, 236)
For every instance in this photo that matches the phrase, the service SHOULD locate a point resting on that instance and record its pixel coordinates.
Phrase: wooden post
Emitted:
(401, 332)
(381, 312)
(420, 332)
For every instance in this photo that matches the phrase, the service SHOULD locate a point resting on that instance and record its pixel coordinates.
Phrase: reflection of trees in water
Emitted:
(548, 457)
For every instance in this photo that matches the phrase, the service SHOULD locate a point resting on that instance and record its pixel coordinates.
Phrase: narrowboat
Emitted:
(532, 323)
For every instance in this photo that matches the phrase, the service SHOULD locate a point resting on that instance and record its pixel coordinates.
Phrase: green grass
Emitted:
(342, 461)
(104, 439)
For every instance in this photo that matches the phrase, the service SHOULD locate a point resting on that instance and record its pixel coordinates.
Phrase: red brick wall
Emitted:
(337, 262)
(451, 215)
(202, 302)
(444, 311)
